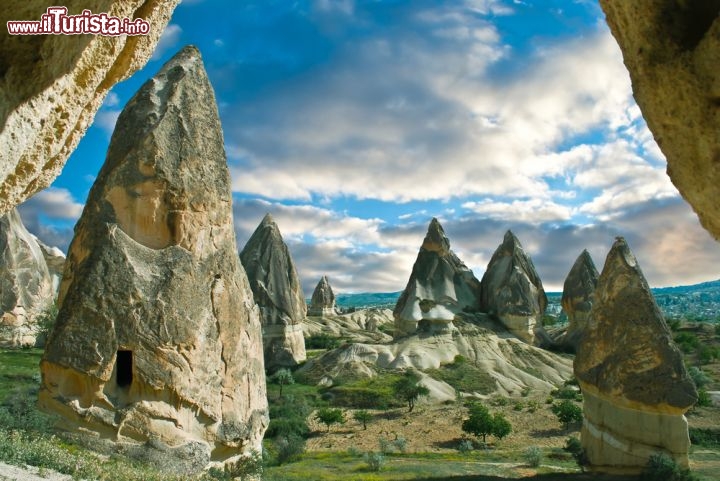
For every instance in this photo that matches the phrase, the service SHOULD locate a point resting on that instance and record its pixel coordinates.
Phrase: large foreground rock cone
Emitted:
(577, 297)
(276, 288)
(322, 302)
(26, 287)
(52, 85)
(635, 386)
(511, 290)
(158, 337)
(440, 286)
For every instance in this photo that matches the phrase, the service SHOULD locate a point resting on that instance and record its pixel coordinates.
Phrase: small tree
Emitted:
(481, 423)
(330, 416)
(362, 416)
(567, 412)
(281, 378)
(408, 390)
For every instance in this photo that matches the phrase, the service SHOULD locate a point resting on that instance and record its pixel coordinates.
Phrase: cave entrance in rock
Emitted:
(124, 368)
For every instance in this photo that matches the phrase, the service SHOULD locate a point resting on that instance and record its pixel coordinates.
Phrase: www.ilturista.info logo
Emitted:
(57, 22)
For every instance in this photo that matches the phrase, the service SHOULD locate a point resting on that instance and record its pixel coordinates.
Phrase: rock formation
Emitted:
(276, 288)
(440, 286)
(672, 50)
(52, 85)
(55, 260)
(512, 291)
(158, 337)
(635, 386)
(323, 299)
(577, 297)
(26, 288)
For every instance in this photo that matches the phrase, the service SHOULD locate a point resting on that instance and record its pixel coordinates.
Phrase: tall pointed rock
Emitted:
(512, 291)
(577, 297)
(440, 286)
(276, 289)
(634, 383)
(26, 287)
(158, 337)
(322, 302)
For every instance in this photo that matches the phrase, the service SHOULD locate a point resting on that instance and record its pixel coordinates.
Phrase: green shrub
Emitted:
(661, 466)
(481, 423)
(464, 376)
(375, 461)
(248, 467)
(707, 354)
(567, 412)
(385, 445)
(518, 406)
(687, 342)
(400, 444)
(330, 416)
(408, 389)
(321, 341)
(288, 448)
(532, 406)
(574, 447)
(704, 399)
(363, 417)
(533, 456)
(674, 323)
(709, 438)
(698, 376)
(566, 392)
(465, 446)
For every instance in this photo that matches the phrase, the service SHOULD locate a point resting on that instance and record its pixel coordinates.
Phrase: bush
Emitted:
(386, 447)
(288, 418)
(465, 446)
(375, 461)
(321, 341)
(363, 417)
(662, 466)
(687, 342)
(330, 416)
(518, 406)
(566, 392)
(707, 354)
(532, 406)
(248, 467)
(674, 324)
(288, 448)
(533, 456)
(481, 423)
(709, 438)
(574, 447)
(46, 322)
(282, 377)
(400, 444)
(704, 399)
(567, 412)
(408, 390)
(698, 376)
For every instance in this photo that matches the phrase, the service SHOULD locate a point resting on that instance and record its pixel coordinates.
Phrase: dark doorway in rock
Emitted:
(124, 368)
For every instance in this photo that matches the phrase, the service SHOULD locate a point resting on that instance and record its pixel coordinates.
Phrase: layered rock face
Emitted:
(512, 291)
(276, 288)
(672, 50)
(322, 302)
(26, 288)
(635, 386)
(55, 260)
(52, 85)
(158, 337)
(577, 297)
(440, 286)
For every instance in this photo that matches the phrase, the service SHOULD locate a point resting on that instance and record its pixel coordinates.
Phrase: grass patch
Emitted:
(707, 438)
(19, 368)
(371, 393)
(464, 376)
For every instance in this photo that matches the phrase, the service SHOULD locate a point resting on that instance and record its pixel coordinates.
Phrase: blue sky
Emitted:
(354, 122)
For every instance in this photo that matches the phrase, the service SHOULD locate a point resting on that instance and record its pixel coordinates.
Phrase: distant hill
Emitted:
(698, 301)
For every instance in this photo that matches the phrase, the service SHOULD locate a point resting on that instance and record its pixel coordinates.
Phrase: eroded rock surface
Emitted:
(52, 85)
(26, 287)
(55, 260)
(440, 286)
(635, 386)
(277, 290)
(322, 302)
(158, 337)
(577, 297)
(672, 50)
(511, 291)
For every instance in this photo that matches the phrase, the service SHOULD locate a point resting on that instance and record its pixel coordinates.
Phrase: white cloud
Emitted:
(168, 40)
(533, 211)
(50, 215)
(106, 120)
(111, 100)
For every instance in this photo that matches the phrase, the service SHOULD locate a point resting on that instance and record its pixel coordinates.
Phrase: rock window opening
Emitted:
(124, 368)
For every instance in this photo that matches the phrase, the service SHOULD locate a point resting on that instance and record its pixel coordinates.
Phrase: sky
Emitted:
(355, 122)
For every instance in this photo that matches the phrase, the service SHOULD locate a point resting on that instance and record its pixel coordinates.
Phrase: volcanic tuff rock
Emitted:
(672, 50)
(362, 325)
(158, 337)
(635, 386)
(55, 260)
(440, 286)
(52, 85)
(512, 291)
(26, 288)
(276, 288)
(577, 297)
(323, 299)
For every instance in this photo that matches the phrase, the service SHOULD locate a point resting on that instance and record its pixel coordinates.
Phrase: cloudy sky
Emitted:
(354, 122)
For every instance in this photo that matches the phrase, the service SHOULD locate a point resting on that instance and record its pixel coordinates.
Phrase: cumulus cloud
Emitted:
(50, 215)
(169, 38)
